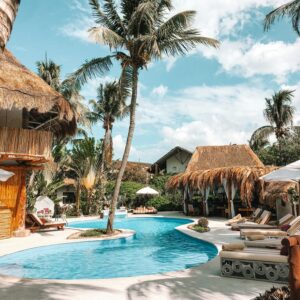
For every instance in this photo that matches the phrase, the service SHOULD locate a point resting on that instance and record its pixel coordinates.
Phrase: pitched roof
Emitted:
(162, 161)
(211, 157)
(20, 88)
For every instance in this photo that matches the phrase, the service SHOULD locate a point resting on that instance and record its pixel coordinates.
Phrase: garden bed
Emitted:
(93, 234)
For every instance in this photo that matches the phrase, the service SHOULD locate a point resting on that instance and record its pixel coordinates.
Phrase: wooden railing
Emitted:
(25, 144)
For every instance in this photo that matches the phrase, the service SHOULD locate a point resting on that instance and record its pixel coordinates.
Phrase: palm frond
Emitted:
(290, 9)
(89, 70)
(106, 36)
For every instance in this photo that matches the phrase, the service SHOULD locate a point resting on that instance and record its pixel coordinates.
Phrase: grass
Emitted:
(199, 228)
(93, 233)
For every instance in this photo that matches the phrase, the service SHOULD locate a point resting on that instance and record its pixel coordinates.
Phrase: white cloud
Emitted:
(119, 143)
(160, 91)
(247, 58)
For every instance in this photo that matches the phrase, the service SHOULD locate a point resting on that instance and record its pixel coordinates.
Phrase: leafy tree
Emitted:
(108, 108)
(279, 113)
(290, 9)
(138, 32)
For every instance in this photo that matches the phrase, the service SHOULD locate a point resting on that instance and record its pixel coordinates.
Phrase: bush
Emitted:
(203, 222)
(200, 229)
(164, 203)
(283, 293)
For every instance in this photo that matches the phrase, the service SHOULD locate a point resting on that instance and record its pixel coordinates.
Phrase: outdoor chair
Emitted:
(294, 227)
(255, 264)
(262, 220)
(34, 223)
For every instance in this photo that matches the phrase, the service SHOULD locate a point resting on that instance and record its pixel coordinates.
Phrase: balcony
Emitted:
(25, 145)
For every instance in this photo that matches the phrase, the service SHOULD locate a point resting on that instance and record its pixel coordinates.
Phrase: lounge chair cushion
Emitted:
(233, 247)
(256, 237)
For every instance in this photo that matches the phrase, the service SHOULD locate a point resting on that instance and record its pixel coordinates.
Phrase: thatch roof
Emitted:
(210, 157)
(211, 165)
(22, 89)
(276, 190)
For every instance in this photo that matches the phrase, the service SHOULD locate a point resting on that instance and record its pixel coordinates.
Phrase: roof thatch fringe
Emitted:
(246, 179)
(276, 191)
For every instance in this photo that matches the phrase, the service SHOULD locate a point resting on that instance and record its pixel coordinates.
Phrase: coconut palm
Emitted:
(8, 13)
(83, 161)
(49, 71)
(279, 113)
(138, 32)
(290, 9)
(108, 108)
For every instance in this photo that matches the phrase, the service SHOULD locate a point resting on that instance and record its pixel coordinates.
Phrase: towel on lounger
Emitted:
(233, 247)
(257, 237)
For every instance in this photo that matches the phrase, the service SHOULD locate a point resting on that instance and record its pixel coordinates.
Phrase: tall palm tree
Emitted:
(290, 9)
(138, 32)
(49, 71)
(83, 160)
(8, 13)
(279, 112)
(108, 108)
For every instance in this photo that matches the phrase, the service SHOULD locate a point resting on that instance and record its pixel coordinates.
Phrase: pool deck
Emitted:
(203, 282)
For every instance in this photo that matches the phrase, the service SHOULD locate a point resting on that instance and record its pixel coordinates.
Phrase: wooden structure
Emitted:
(233, 167)
(32, 114)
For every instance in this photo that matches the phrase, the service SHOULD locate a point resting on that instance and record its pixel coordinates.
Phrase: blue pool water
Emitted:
(155, 248)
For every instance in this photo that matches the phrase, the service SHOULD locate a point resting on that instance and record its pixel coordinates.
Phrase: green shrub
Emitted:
(164, 203)
(200, 229)
(93, 233)
(203, 222)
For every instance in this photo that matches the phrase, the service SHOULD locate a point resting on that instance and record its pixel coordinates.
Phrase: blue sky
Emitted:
(209, 97)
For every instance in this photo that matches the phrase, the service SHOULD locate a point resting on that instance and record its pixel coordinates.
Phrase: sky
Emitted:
(208, 97)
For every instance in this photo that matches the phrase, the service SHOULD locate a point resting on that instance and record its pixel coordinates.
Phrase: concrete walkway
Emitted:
(203, 282)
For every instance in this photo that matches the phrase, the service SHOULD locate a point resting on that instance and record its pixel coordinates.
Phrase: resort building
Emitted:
(221, 180)
(32, 115)
(174, 162)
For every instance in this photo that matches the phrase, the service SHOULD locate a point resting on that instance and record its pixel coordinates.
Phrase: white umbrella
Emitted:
(43, 202)
(147, 191)
(5, 175)
(289, 173)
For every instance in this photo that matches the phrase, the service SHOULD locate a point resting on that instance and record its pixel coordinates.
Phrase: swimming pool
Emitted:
(156, 247)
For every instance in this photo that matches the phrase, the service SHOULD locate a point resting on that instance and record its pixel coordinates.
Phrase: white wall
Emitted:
(174, 165)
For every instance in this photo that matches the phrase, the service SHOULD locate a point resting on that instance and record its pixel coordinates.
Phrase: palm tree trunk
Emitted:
(114, 200)
(8, 12)
(78, 194)
(107, 148)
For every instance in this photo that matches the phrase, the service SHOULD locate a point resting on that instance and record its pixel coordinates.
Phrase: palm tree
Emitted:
(49, 71)
(8, 13)
(138, 32)
(108, 108)
(290, 9)
(279, 113)
(83, 161)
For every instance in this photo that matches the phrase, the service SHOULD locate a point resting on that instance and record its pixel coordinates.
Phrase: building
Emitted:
(32, 115)
(175, 161)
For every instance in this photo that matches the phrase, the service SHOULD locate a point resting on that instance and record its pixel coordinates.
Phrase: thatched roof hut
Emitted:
(31, 115)
(236, 167)
(42, 107)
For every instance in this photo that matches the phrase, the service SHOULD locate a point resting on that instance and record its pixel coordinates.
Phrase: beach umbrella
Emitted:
(5, 175)
(289, 173)
(147, 191)
(43, 202)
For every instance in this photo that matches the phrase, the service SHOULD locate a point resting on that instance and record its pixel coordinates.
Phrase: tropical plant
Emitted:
(139, 28)
(290, 9)
(108, 108)
(82, 162)
(279, 113)
(8, 13)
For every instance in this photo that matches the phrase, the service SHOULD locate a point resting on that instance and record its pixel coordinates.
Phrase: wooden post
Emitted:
(229, 198)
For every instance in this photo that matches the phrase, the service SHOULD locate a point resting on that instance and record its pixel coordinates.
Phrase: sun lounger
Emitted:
(255, 264)
(262, 220)
(145, 211)
(266, 243)
(294, 228)
(239, 219)
(284, 220)
(34, 223)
